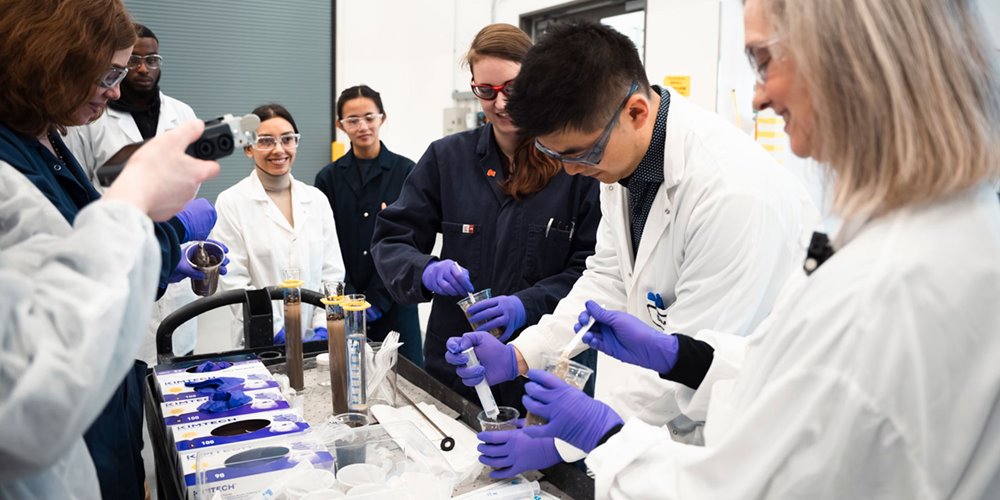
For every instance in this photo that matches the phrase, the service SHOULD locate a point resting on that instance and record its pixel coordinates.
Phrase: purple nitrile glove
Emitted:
(497, 361)
(446, 277)
(211, 366)
(625, 337)
(513, 452)
(373, 313)
(279, 338)
(502, 310)
(184, 268)
(224, 400)
(319, 333)
(198, 218)
(207, 387)
(572, 415)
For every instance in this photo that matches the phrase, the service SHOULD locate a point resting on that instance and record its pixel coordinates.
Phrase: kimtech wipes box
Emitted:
(186, 411)
(243, 471)
(236, 429)
(250, 379)
(171, 379)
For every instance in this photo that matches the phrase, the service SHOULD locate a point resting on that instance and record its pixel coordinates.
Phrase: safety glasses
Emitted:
(113, 77)
(152, 61)
(595, 154)
(269, 142)
(488, 92)
(759, 56)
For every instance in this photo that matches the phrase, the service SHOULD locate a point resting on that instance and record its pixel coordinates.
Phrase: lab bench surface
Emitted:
(562, 481)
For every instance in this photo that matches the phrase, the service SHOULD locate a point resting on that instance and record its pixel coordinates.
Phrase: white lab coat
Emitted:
(71, 303)
(878, 380)
(726, 229)
(92, 145)
(262, 243)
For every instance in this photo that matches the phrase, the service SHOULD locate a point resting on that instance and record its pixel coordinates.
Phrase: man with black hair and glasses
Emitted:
(700, 226)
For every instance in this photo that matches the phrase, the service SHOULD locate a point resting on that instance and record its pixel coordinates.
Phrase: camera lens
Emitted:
(225, 143)
(205, 149)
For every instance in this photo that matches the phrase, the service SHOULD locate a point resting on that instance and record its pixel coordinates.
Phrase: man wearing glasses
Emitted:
(142, 112)
(700, 227)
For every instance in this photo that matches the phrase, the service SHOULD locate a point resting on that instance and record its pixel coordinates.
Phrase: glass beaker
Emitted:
(351, 445)
(292, 286)
(355, 330)
(466, 302)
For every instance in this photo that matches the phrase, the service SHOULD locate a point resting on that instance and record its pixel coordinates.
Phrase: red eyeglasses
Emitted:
(490, 92)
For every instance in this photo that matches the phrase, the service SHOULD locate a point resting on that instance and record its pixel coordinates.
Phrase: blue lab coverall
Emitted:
(507, 245)
(115, 438)
(356, 198)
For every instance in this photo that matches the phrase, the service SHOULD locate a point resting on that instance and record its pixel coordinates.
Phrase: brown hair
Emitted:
(905, 94)
(532, 170)
(53, 53)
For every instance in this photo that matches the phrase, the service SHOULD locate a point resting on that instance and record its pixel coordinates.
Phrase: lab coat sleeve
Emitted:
(811, 434)
(80, 142)
(601, 281)
(333, 261)
(405, 232)
(542, 297)
(737, 256)
(228, 229)
(73, 308)
(377, 293)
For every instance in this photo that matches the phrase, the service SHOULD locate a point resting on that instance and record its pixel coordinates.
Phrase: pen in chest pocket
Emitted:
(562, 226)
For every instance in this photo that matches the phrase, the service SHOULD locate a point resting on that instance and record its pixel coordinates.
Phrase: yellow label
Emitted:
(333, 301)
(680, 83)
(337, 149)
(174, 390)
(189, 434)
(355, 305)
(291, 284)
(176, 411)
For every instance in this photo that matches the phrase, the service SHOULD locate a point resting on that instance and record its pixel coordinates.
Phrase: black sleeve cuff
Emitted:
(178, 228)
(611, 432)
(694, 357)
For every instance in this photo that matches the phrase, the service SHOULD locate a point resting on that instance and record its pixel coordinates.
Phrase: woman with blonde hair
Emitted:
(875, 376)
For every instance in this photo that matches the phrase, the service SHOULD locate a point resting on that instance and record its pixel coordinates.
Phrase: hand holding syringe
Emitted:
(482, 388)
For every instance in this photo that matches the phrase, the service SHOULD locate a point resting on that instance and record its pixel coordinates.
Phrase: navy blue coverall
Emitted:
(534, 247)
(115, 438)
(356, 197)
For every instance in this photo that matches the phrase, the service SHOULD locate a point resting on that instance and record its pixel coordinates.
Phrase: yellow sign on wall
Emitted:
(680, 83)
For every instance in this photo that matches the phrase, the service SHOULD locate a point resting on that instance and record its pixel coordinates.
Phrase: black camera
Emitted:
(221, 137)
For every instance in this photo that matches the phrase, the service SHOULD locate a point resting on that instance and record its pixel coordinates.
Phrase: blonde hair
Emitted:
(905, 95)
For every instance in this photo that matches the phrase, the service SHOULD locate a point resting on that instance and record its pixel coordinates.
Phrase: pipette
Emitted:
(578, 338)
(472, 297)
(482, 388)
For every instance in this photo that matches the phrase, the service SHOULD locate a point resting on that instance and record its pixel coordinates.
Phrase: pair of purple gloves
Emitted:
(572, 416)
(447, 278)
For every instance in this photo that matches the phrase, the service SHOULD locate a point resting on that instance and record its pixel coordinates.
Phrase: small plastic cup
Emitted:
(308, 481)
(351, 447)
(214, 255)
(569, 371)
(466, 302)
(506, 420)
(354, 475)
(323, 369)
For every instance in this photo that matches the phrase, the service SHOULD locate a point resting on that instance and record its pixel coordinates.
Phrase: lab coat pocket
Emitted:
(545, 254)
(463, 243)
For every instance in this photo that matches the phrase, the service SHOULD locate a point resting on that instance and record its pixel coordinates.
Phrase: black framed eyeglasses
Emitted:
(113, 77)
(269, 142)
(595, 154)
(152, 61)
(489, 92)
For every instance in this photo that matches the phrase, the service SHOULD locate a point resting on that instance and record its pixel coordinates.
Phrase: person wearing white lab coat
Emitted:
(724, 228)
(271, 222)
(875, 376)
(95, 143)
(73, 299)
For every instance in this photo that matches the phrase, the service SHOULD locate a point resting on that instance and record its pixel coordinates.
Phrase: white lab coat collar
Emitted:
(126, 124)
(300, 202)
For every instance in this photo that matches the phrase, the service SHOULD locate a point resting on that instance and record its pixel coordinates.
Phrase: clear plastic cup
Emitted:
(506, 420)
(351, 447)
(569, 371)
(208, 262)
(466, 302)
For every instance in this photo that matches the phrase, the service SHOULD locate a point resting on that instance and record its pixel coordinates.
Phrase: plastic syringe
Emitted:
(482, 388)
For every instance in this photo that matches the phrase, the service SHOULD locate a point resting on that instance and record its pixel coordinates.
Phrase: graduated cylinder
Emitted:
(355, 330)
(292, 286)
(333, 300)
